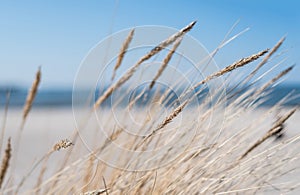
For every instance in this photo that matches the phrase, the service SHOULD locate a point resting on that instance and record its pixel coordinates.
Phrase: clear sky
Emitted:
(58, 34)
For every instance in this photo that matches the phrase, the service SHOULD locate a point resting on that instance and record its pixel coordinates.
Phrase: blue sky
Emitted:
(59, 34)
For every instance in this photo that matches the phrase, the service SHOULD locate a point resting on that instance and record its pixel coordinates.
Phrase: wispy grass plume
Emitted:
(30, 97)
(122, 53)
(165, 63)
(132, 70)
(5, 162)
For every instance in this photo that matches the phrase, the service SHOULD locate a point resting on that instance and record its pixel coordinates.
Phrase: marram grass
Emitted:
(240, 158)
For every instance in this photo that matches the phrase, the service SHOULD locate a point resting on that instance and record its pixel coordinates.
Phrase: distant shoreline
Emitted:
(63, 97)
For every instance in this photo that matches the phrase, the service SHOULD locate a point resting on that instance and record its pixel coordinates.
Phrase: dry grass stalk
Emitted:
(4, 119)
(41, 175)
(165, 62)
(63, 144)
(276, 129)
(122, 52)
(31, 95)
(169, 118)
(113, 136)
(5, 162)
(132, 70)
(26, 109)
(258, 93)
(242, 62)
(265, 60)
(152, 190)
(95, 170)
(105, 186)
(191, 172)
(229, 68)
(96, 192)
(89, 172)
(69, 152)
(273, 80)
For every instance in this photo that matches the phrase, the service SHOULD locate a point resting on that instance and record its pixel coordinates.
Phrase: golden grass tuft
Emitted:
(242, 62)
(265, 60)
(132, 70)
(122, 52)
(26, 109)
(63, 144)
(5, 162)
(165, 62)
(31, 95)
(238, 64)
